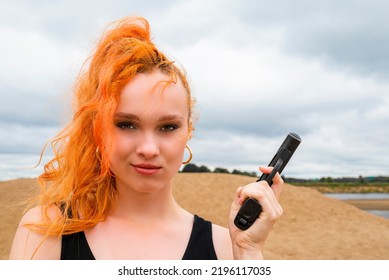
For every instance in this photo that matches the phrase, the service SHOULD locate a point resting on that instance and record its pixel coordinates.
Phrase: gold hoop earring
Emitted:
(190, 155)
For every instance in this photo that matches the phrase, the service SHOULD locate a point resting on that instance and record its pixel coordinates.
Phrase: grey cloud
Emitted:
(250, 119)
(349, 34)
(16, 165)
(24, 138)
(72, 21)
(31, 109)
(259, 71)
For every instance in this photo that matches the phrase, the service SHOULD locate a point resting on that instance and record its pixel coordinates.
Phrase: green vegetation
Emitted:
(358, 184)
(194, 168)
(345, 187)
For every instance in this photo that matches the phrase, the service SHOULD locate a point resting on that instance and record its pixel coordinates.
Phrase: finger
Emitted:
(278, 185)
(276, 189)
(267, 198)
(271, 209)
(259, 191)
(278, 182)
(275, 209)
(262, 193)
(267, 170)
(254, 190)
(239, 191)
(271, 199)
(236, 203)
(238, 195)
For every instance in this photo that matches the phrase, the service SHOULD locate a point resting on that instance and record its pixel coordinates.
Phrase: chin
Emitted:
(143, 185)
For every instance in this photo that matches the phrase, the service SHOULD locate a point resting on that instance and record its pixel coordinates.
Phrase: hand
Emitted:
(249, 244)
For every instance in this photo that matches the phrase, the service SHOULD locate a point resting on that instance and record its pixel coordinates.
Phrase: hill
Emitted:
(313, 226)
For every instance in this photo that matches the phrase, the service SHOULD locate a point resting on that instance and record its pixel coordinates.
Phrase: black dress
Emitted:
(200, 246)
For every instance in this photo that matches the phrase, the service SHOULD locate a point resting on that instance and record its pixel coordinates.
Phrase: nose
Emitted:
(147, 146)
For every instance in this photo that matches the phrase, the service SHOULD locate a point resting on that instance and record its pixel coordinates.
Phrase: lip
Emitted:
(146, 168)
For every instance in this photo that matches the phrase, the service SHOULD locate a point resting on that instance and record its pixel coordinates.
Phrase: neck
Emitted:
(140, 207)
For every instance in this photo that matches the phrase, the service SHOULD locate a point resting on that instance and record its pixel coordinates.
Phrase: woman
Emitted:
(107, 193)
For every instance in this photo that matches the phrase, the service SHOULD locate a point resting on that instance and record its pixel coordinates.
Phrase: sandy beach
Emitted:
(370, 204)
(313, 226)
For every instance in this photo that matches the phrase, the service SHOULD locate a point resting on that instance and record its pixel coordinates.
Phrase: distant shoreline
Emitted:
(348, 189)
(369, 204)
(365, 204)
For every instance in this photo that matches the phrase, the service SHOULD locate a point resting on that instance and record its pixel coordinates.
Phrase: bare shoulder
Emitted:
(28, 244)
(222, 242)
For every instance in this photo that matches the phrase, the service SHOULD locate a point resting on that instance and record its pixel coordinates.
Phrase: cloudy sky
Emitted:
(258, 69)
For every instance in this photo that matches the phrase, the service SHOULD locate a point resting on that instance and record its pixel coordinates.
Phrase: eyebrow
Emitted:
(126, 116)
(171, 117)
(129, 116)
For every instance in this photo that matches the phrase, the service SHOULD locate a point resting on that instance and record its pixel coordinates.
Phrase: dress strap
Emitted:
(200, 246)
(76, 247)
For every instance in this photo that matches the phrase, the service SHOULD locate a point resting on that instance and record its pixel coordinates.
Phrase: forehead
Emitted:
(153, 93)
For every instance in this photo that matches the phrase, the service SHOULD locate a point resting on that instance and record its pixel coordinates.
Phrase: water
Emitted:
(346, 196)
(382, 213)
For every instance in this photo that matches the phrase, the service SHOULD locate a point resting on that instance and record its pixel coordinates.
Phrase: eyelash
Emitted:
(169, 127)
(164, 128)
(125, 125)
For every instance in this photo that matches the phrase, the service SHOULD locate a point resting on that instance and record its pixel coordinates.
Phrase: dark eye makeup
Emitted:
(125, 125)
(169, 127)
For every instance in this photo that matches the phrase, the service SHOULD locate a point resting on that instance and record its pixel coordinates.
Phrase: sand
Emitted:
(370, 204)
(313, 226)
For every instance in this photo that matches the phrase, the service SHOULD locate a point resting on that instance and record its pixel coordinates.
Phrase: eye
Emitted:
(125, 125)
(169, 127)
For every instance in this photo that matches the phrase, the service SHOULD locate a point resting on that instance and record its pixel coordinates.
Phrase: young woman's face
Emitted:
(150, 133)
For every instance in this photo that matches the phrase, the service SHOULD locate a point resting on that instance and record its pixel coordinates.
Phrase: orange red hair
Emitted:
(78, 179)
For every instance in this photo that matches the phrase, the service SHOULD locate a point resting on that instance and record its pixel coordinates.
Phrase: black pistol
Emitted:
(250, 209)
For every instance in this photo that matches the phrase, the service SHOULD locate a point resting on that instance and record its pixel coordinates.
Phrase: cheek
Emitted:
(120, 148)
(175, 149)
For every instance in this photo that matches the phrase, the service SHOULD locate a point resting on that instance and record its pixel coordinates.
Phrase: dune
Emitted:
(313, 227)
